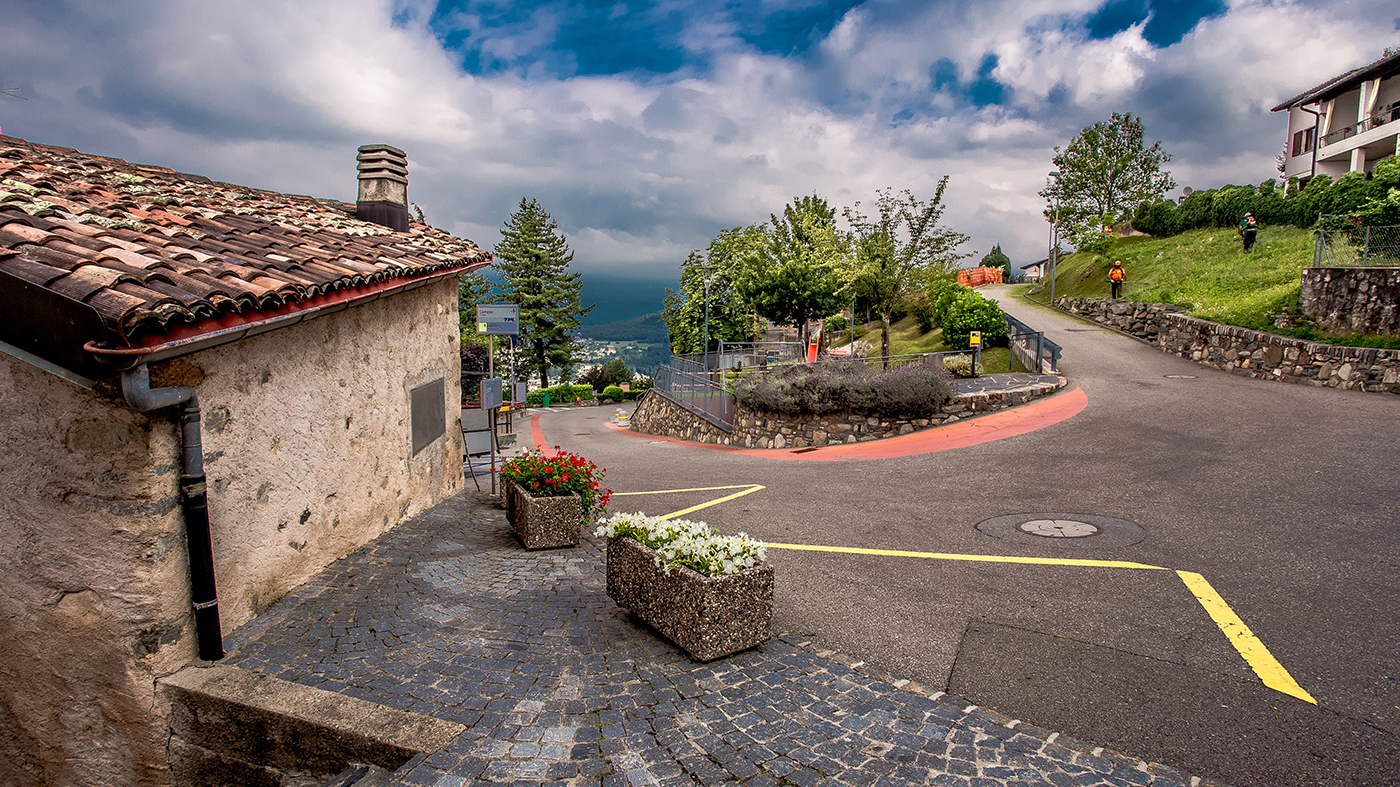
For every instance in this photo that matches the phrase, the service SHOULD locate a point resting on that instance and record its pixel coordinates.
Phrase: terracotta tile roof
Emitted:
(163, 256)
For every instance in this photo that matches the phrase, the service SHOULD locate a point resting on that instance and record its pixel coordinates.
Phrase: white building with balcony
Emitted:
(1345, 124)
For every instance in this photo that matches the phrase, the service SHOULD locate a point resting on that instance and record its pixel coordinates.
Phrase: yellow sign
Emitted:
(974, 339)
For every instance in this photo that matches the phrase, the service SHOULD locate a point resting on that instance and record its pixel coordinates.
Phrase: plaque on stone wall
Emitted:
(427, 414)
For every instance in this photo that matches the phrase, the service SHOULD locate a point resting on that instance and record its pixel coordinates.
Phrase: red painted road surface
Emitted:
(984, 429)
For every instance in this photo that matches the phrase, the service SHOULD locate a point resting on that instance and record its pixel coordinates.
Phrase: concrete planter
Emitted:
(543, 522)
(708, 617)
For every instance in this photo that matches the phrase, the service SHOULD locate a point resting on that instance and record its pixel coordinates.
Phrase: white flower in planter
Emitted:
(681, 542)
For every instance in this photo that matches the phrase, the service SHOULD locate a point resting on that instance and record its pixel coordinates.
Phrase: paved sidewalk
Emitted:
(447, 616)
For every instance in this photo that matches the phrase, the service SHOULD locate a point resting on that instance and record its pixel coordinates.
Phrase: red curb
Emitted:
(984, 429)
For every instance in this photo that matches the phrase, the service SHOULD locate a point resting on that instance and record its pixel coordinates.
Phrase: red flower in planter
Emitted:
(566, 473)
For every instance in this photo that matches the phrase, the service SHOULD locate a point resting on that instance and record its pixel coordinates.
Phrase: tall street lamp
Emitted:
(1054, 236)
(707, 270)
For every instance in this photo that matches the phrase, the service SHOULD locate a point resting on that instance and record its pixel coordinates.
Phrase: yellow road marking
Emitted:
(1255, 654)
(694, 489)
(748, 490)
(1044, 561)
(1258, 657)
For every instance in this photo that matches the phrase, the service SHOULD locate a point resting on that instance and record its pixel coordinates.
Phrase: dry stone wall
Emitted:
(1243, 351)
(1353, 300)
(658, 415)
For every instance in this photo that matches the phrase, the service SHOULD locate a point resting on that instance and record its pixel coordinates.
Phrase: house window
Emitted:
(1303, 141)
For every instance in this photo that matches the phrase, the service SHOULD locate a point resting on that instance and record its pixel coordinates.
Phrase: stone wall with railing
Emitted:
(1243, 351)
(659, 415)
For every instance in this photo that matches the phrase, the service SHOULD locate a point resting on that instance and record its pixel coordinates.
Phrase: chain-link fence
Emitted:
(1356, 246)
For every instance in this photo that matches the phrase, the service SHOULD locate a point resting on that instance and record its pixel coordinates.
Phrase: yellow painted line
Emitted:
(748, 490)
(1255, 654)
(1258, 657)
(752, 488)
(1042, 561)
(695, 489)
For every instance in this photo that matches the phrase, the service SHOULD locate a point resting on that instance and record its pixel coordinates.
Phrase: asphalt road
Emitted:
(1284, 498)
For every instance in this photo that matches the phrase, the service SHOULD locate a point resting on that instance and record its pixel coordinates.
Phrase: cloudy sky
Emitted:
(646, 127)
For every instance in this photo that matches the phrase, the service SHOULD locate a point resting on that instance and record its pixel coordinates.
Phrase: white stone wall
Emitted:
(308, 454)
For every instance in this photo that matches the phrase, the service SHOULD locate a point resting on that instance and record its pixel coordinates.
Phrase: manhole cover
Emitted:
(1180, 376)
(1059, 528)
(1065, 530)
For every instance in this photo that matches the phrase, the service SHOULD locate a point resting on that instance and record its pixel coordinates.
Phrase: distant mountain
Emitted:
(647, 328)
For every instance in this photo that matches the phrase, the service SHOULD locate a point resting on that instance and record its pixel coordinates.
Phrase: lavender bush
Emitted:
(910, 391)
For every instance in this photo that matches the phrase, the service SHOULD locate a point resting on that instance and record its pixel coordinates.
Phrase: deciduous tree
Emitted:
(1106, 170)
(900, 247)
(797, 268)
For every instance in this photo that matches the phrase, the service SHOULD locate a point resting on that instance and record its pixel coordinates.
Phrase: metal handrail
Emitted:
(1376, 120)
(1021, 337)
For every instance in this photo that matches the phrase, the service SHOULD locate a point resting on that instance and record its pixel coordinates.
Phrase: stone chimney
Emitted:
(383, 186)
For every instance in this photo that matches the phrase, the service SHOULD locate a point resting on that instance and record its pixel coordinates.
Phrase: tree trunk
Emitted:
(544, 363)
(885, 339)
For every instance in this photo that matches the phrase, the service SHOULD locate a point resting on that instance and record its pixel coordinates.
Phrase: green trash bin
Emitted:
(546, 400)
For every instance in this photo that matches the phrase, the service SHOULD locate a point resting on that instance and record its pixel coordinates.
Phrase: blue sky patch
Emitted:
(589, 37)
(983, 90)
(1168, 21)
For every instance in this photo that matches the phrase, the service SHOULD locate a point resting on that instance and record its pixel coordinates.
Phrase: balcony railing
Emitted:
(1388, 115)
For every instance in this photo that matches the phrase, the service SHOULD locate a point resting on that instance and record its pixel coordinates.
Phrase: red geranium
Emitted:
(565, 473)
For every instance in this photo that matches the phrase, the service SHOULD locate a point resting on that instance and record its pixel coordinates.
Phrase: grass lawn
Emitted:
(907, 339)
(1204, 270)
(1207, 272)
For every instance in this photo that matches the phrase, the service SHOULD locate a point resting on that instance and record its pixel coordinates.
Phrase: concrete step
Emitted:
(232, 727)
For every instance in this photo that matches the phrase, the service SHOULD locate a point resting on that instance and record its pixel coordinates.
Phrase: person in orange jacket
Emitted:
(1116, 275)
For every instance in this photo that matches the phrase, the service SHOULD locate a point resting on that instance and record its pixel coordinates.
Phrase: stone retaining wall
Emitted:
(658, 415)
(1353, 300)
(1243, 351)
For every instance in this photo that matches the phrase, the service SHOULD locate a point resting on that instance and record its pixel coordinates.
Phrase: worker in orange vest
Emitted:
(1116, 276)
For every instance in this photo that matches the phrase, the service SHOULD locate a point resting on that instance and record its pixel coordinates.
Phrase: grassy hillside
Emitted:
(1204, 270)
(907, 339)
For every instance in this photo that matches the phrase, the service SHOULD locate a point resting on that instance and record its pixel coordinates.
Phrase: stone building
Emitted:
(173, 345)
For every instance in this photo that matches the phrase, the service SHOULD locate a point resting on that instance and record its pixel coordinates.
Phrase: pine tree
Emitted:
(533, 258)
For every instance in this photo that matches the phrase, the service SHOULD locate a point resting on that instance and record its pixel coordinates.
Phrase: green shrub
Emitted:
(961, 366)
(917, 303)
(909, 391)
(614, 393)
(971, 312)
(834, 324)
(559, 394)
(941, 297)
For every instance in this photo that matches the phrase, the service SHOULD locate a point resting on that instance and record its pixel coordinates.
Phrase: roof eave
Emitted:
(236, 327)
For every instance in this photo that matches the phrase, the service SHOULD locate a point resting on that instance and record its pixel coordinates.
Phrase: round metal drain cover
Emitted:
(1064, 530)
(1059, 528)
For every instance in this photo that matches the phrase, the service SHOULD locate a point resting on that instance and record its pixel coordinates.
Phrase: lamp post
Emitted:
(1054, 237)
(707, 269)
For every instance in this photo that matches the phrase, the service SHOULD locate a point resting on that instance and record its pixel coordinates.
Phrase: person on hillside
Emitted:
(1116, 275)
(1248, 228)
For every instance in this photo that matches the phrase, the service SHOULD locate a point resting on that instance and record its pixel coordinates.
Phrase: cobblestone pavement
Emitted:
(447, 616)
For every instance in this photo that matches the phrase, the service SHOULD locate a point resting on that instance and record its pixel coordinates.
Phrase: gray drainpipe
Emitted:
(136, 387)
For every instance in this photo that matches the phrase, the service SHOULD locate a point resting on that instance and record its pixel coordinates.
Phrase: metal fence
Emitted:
(696, 393)
(739, 355)
(1031, 349)
(1356, 246)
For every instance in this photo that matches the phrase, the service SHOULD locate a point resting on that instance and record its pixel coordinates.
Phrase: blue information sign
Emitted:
(500, 319)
